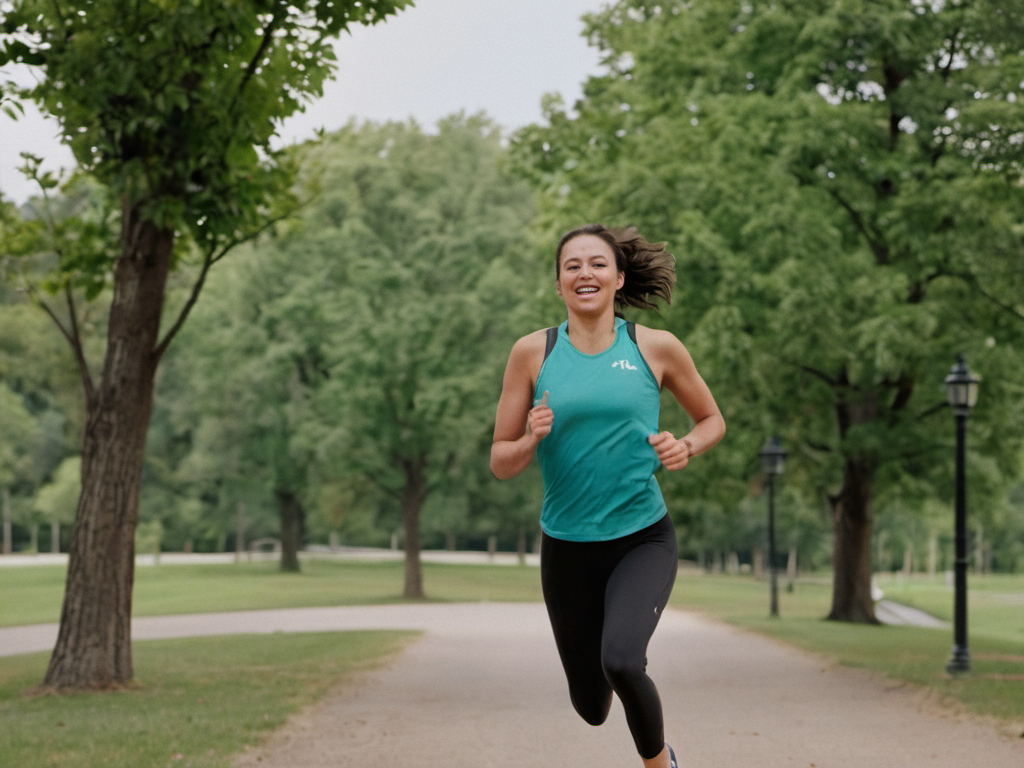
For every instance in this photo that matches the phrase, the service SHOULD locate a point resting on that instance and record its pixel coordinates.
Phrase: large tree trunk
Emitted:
(412, 501)
(93, 649)
(293, 524)
(851, 555)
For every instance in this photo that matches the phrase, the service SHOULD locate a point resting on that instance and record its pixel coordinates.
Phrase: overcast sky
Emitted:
(434, 59)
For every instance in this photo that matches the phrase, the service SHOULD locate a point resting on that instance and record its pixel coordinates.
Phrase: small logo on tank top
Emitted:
(624, 365)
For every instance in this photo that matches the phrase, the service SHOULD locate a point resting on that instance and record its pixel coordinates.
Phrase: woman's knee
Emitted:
(592, 707)
(623, 669)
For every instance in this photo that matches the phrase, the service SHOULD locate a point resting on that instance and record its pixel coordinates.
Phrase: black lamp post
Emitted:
(773, 461)
(962, 390)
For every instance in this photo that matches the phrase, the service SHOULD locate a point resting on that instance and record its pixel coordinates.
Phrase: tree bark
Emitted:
(852, 520)
(412, 501)
(293, 524)
(93, 649)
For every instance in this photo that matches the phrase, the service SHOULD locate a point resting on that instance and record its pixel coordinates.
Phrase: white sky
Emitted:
(434, 59)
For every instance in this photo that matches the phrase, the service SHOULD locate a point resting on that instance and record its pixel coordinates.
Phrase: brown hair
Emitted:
(650, 270)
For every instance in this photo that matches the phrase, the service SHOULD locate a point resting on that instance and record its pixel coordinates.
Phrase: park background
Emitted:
(841, 185)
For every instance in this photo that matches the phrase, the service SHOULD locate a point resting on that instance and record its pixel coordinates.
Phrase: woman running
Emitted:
(585, 398)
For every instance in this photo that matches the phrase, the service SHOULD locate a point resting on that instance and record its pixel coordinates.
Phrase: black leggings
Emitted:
(604, 599)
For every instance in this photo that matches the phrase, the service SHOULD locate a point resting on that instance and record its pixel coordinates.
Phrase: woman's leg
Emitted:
(573, 577)
(638, 590)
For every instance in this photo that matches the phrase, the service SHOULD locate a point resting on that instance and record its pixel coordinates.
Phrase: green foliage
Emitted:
(173, 104)
(428, 303)
(68, 236)
(58, 499)
(19, 431)
(367, 336)
(840, 182)
(169, 109)
(38, 413)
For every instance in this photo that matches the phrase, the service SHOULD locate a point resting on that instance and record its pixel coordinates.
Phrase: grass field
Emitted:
(200, 700)
(32, 595)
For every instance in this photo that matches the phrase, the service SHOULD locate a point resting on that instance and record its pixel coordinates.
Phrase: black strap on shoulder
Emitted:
(552, 338)
(631, 330)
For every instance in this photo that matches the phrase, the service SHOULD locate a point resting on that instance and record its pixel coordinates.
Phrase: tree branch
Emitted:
(877, 247)
(73, 338)
(929, 411)
(946, 70)
(193, 297)
(268, 35)
(213, 255)
(904, 390)
(1016, 313)
(830, 380)
(83, 364)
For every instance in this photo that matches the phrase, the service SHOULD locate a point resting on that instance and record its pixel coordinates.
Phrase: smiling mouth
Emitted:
(586, 290)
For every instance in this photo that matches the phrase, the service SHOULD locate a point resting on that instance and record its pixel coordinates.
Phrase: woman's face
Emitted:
(588, 276)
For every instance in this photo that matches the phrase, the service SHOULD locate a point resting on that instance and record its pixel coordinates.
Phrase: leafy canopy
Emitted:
(841, 183)
(172, 103)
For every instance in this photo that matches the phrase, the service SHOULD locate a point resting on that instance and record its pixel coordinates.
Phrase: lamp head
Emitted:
(773, 458)
(961, 388)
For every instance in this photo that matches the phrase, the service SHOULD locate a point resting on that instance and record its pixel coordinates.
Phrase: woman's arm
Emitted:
(520, 425)
(674, 368)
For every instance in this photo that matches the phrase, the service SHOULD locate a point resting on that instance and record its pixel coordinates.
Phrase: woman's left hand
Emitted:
(672, 453)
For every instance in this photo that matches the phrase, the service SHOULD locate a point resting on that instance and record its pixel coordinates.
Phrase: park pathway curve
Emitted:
(483, 687)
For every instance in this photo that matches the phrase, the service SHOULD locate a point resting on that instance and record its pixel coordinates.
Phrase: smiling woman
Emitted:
(648, 271)
(585, 399)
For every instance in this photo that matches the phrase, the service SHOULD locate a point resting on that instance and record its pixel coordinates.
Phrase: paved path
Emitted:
(483, 687)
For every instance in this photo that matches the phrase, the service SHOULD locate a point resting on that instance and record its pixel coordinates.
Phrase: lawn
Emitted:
(200, 700)
(32, 595)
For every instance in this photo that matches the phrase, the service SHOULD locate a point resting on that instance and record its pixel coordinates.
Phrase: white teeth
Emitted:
(587, 290)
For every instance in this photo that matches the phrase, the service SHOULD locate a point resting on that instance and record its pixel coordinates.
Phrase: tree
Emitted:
(426, 241)
(841, 180)
(171, 107)
(355, 356)
(241, 389)
(18, 432)
(58, 499)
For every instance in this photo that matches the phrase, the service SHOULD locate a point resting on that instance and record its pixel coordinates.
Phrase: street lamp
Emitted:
(773, 461)
(962, 390)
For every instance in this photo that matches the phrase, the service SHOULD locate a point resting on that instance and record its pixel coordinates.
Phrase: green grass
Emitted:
(911, 654)
(32, 594)
(198, 700)
(995, 602)
(223, 693)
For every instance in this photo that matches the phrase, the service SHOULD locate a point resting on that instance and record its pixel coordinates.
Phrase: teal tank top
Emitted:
(597, 465)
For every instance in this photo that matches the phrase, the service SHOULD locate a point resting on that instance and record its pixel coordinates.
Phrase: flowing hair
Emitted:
(649, 269)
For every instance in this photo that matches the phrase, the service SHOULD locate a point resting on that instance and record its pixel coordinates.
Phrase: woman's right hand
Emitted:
(540, 419)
